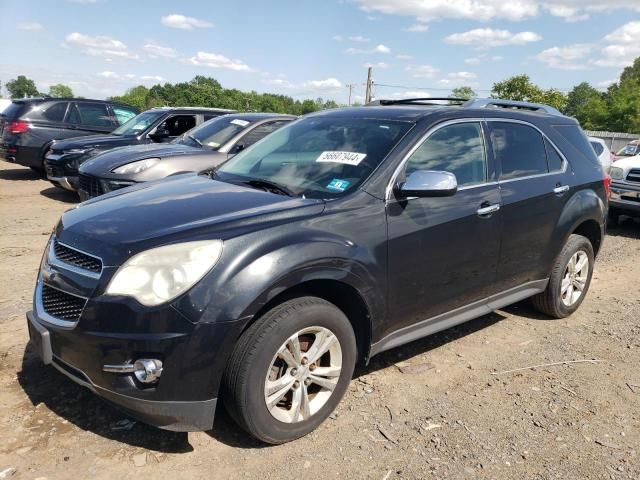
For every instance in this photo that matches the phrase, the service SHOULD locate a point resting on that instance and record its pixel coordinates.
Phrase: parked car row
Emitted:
(264, 280)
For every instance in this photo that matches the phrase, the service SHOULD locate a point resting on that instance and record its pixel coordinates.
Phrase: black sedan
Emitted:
(202, 148)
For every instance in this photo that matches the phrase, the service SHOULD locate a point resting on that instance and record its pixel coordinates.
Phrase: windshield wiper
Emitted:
(269, 186)
(191, 137)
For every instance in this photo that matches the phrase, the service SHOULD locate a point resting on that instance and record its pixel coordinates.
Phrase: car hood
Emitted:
(627, 163)
(181, 208)
(101, 142)
(107, 161)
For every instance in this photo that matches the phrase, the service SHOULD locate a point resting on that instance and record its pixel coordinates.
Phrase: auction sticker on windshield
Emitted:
(346, 158)
(338, 185)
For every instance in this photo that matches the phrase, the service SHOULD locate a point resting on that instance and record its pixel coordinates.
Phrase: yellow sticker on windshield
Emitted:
(345, 158)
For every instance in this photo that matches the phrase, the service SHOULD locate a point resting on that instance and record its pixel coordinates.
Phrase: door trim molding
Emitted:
(455, 317)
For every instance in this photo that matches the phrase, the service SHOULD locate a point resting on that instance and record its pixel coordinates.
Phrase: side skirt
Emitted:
(457, 316)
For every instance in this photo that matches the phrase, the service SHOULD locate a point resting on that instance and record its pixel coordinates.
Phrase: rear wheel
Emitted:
(569, 280)
(290, 369)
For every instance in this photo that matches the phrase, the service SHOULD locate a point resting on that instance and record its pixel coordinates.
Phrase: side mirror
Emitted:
(238, 148)
(428, 183)
(161, 133)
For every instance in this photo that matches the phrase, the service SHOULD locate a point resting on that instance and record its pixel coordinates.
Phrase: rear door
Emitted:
(443, 252)
(534, 186)
(90, 117)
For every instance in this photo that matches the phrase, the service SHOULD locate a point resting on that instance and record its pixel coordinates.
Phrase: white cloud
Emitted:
(377, 49)
(338, 38)
(485, 10)
(422, 71)
(359, 39)
(483, 58)
(175, 20)
(130, 78)
(418, 28)
(155, 51)
(404, 57)
(481, 38)
(603, 85)
(405, 94)
(279, 82)
(109, 74)
(99, 46)
(622, 46)
(566, 58)
(328, 84)
(379, 65)
(30, 26)
(215, 60)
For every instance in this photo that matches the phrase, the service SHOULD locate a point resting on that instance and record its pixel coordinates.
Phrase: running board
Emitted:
(457, 316)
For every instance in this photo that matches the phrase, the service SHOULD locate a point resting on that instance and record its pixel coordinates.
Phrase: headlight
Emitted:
(616, 173)
(76, 151)
(161, 274)
(136, 167)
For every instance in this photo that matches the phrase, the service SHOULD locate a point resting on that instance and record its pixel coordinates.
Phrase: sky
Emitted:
(317, 48)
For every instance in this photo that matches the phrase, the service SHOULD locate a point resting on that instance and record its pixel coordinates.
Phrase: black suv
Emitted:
(343, 234)
(29, 126)
(158, 125)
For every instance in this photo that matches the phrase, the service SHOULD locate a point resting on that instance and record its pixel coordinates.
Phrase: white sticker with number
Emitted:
(346, 158)
(237, 121)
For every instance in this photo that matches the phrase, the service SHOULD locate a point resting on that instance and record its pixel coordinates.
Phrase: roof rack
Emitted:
(472, 103)
(498, 103)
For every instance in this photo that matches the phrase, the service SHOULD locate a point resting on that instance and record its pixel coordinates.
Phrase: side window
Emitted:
(259, 133)
(122, 114)
(73, 116)
(597, 147)
(55, 112)
(458, 149)
(553, 157)
(94, 114)
(519, 149)
(178, 124)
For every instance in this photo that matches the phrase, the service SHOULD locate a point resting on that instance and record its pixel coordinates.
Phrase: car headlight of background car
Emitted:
(616, 173)
(136, 167)
(160, 274)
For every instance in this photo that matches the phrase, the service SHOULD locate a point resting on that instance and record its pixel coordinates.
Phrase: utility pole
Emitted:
(367, 97)
(350, 87)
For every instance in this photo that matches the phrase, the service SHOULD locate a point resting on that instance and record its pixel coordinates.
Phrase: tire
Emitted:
(554, 301)
(613, 216)
(245, 381)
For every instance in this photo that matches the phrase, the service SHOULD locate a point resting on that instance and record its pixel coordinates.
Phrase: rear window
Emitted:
(14, 110)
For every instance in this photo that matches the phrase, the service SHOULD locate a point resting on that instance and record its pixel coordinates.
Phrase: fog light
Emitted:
(147, 370)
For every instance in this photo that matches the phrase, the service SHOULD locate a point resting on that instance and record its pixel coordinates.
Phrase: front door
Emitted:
(443, 251)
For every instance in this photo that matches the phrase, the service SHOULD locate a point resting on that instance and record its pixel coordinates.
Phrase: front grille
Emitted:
(61, 305)
(91, 186)
(76, 258)
(634, 175)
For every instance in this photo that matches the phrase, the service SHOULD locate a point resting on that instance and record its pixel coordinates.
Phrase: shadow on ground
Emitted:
(627, 227)
(55, 193)
(20, 174)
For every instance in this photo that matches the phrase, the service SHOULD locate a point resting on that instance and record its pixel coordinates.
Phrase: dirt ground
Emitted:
(432, 409)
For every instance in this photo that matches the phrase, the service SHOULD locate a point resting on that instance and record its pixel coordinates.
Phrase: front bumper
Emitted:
(185, 397)
(625, 196)
(91, 187)
(59, 171)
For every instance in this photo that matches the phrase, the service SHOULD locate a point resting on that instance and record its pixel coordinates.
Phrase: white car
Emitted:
(625, 188)
(603, 152)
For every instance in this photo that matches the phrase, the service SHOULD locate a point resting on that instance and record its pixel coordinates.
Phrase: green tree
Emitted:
(463, 92)
(60, 90)
(579, 98)
(521, 88)
(22, 87)
(136, 97)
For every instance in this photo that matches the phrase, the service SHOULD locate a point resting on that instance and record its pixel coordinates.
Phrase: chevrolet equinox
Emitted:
(341, 235)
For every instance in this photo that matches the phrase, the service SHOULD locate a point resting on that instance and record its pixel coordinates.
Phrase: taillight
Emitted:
(607, 185)
(18, 127)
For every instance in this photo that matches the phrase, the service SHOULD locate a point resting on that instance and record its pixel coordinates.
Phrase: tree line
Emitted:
(617, 109)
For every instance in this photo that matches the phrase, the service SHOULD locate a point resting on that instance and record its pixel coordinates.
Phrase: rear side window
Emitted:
(260, 132)
(94, 114)
(577, 138)
(518, 149)
(554, 159)
(55, 112)
(123, 114)
(15, 110)
(458, 149)
(597, 147)
(179, 124)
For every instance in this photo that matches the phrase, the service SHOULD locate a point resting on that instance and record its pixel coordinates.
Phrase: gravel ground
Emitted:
(437, 408)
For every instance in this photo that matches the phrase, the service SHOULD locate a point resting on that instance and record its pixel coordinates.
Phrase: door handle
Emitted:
(488, 210)
(561, 189)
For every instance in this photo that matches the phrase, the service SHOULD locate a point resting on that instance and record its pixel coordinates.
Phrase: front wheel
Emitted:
(290, 369)
(569, 280)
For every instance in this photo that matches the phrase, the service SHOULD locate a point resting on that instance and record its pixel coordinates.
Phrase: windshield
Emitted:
(137, 124)
(629, 150)
(318, 157)
(214, 133)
